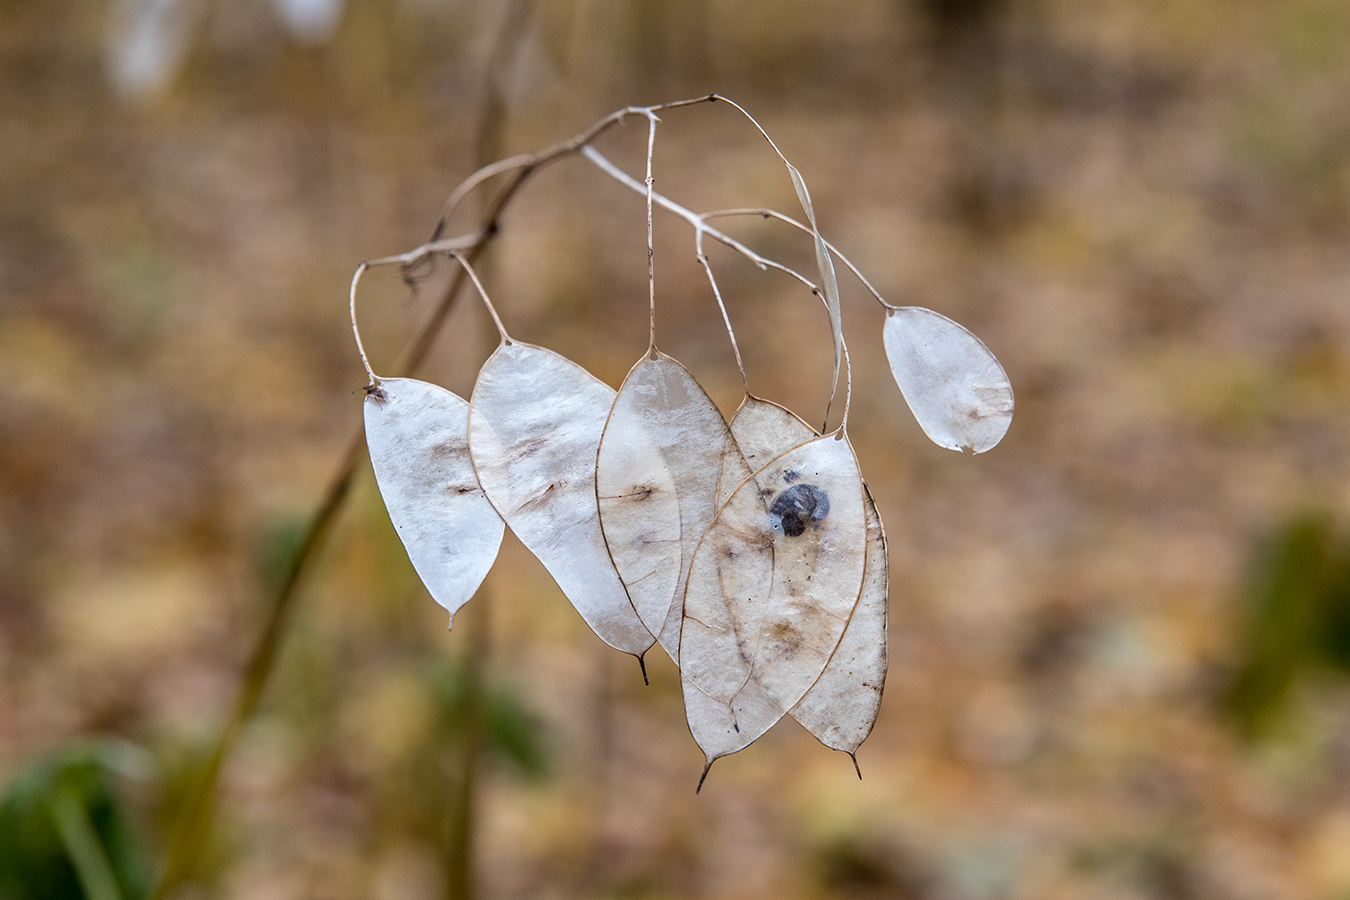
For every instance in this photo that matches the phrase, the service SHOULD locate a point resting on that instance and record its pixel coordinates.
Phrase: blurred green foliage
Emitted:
(511, 732)
(1158, 863)
(1296, 620)
(275, 547)
(66, 833)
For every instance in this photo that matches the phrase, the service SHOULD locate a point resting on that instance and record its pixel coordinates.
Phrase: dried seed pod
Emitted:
(841, 707)
(663, 456)
(764, 611)
(534, 429)
(418, 436)
(952, 383)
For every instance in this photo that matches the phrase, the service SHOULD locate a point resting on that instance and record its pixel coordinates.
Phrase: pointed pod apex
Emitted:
(706, 767)
(854, 757)
(642, 664)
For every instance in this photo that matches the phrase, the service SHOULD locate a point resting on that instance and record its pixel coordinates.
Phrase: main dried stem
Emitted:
(193, 824)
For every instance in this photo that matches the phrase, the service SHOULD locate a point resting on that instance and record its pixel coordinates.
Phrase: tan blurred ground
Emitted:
(1142, 207)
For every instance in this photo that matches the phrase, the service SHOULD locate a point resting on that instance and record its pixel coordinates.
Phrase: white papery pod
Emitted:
(534, 428)
(418, 437)
(663, 455)
(772, 585)
(841, 707)
(764, 430)
(951, 381)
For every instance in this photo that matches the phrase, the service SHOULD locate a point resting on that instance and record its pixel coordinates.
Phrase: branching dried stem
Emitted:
(699, 222)
(802, 226)
(192, 828)
(695, 220)
(526, 164)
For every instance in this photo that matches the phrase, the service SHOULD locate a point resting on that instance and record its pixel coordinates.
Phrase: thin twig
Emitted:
(528, 162)
(652, 122)
(694, 219)
(482, 293)
(356, 332)
(717, 294)
(802, 226)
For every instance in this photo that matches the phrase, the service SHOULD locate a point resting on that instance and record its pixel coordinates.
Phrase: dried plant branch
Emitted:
(526, 164)
(829, 286)
(717, 294)
(695, 220)
(802, 226)
(699, 222)
(192, 827)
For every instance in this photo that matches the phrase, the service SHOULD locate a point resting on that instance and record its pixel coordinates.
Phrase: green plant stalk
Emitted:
(460, 871)
(92, 868)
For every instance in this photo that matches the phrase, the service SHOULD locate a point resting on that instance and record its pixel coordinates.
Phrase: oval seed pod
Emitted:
(418, 436)
(662, 457)
(953, 384)
(764, 608)
(841, 707)
(534, 428)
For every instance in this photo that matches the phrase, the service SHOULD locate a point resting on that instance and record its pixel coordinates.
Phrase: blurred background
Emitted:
(1119, 640)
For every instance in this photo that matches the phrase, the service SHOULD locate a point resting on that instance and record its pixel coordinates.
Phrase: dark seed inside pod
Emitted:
(798, 506)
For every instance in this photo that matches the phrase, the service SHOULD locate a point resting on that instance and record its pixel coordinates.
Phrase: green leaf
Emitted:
(1282, 627)
(64, 831)
(511, 730)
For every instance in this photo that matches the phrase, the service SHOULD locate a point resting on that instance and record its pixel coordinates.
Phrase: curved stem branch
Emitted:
(356, 332)
(482, 292)
(802, 226)
(694, 219)
(652, 122)
(527, 162)
(717, 293)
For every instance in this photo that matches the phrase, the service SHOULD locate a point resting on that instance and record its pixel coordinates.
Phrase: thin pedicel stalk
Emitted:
(801, 226)
(652, 122)
(694, 219)
(827, 276)
(698, 221)
(483, 295)
(717, 295)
